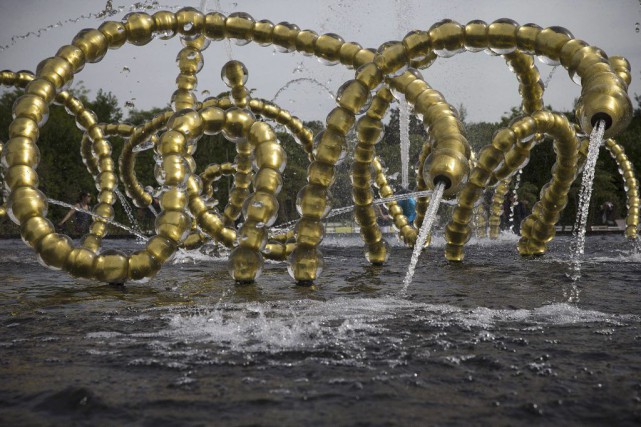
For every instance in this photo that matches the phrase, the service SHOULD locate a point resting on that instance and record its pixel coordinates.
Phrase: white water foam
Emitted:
(343, 322)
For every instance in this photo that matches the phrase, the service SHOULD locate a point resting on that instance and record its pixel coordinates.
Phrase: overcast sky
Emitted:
(144, 76)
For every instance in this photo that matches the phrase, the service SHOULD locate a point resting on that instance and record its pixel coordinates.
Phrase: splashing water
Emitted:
(302, 80)
(426, 227)
(515, 203)
(404, 133)
(227, 42)
(578, 242)
(108, 12)
(141, 237)
(548, 79)
(127, 207)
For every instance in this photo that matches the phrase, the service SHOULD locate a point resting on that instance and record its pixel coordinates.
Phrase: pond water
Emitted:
(492, 340)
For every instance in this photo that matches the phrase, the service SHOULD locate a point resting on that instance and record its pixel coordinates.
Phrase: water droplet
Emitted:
(299, 68)
(125, 70)
(205, 93)
(637, 27)
(130, 104)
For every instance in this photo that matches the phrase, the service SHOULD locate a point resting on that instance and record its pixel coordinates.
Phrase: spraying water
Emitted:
(109, 11)
(404, 134)
(139, 235)
(303, 80)
(515, 202)
(578, 241)
(426, 227)
(549, 77)
(128, 210)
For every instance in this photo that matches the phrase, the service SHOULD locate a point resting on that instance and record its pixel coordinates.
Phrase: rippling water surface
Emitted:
(493, 340)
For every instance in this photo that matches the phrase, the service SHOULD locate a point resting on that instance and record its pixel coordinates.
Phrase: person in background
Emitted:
(607, 214)
(408, 206)
(81, 220)
(383, 219)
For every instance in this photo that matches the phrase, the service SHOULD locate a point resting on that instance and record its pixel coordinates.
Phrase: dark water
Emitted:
(492, 341)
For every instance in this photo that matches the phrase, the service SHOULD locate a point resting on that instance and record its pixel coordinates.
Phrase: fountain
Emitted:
(497, 338)
(185, 219)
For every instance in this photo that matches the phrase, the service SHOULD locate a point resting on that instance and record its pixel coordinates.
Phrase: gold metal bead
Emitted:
(321, 173)
(142, 264)
(80, 263)
(187, 122)
(239, 26)
(237, 124)
(501, 36)
(268, 180)
(42, 89)
(261, 132)
(447, 38)
(161, 248)
(284, 36)
(26, 202)
(53, 250)
(353, 96)
(213, 120)
(306, 42)
(174, 172)
(92, 43)
(173, 199)
(189, 60)
(347, 53)
(370, 75)
(234, 73)
(172, 142)
(263, 31)
(252, 235)
(305, 264)
(173, 224)
(313, 201)
(270, 155)
(114, 32)
(227, 236)
(309, 232)
(362, 196)
(550, 41)
(261, 207)
(365, 215)
(608, 104)
(111, 266)
(476, 37)
(526, 38)
(190, 22)
(369, 131)
(214, 27)
(331, 148)
(24, 127)
(363, 57)
(245, 265)
(31, 107)
(165, 24)
(340, 119)
(447, 166)
(20, 175)
(327, 48)
(417, 44)
(34, 229)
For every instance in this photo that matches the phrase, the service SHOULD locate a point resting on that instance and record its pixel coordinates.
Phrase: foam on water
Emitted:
(306, 325)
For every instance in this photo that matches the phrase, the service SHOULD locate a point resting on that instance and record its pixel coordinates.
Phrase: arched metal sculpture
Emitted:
(187, 217)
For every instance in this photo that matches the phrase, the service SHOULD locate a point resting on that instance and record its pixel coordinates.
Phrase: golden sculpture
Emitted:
(186, 218)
